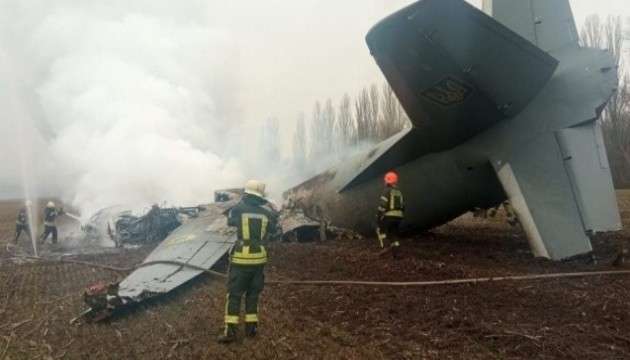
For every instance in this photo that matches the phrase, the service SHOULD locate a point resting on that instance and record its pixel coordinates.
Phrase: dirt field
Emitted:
(581, 318)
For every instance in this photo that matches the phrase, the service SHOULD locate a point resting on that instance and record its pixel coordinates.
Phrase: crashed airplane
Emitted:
(504, 105)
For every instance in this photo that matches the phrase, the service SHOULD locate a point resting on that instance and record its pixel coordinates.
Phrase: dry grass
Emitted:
(562, 318)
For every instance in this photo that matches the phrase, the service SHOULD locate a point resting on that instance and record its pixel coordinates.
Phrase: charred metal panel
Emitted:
(125, 228)
(296, 226)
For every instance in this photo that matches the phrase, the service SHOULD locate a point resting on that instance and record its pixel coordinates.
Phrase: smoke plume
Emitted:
(138, 99)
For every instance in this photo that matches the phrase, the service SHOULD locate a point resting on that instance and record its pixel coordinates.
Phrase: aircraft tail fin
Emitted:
(459, 74)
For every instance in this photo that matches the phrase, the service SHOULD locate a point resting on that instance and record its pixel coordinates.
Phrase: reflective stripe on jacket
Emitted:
(246, 253)
(254, 223)
(391, 203)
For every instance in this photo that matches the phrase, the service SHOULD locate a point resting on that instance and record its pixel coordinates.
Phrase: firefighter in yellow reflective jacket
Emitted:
(22, 223)
(248, 257)
(50, 214)
(389, 214)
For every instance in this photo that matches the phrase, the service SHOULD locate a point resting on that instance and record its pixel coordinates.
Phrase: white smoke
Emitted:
(137, 95)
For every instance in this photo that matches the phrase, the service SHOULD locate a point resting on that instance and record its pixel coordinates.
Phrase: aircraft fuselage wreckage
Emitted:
(502, 107)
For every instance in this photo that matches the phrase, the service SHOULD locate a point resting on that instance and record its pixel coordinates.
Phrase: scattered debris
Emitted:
(102, 299)
(185, 253)
(124, 228)
(298, 227)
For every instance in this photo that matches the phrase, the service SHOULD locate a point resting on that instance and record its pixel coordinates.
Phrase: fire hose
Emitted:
(340, 282)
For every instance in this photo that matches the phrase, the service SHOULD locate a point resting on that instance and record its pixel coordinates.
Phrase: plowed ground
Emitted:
(551, 318)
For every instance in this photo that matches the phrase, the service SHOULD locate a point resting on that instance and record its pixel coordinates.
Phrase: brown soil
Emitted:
(552, 318)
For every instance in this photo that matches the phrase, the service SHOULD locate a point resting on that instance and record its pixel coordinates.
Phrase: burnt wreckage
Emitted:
(187, 251)
(125, 228)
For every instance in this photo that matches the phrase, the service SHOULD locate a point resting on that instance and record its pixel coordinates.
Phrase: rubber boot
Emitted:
(229, 334)
(251, 328)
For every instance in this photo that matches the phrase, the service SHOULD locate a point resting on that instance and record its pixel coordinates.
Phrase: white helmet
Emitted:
(255, 187)
(50, 204)
(28, 203)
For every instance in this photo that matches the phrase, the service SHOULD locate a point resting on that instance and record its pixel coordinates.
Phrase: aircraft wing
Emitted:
(547, 24)
(560, 188)
(201, 242)
(459, 74)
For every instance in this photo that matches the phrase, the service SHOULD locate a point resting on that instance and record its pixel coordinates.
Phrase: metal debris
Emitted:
(124, 228)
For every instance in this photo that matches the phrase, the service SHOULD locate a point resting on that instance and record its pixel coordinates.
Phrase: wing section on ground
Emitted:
(538, 186)
(548, 24)
(585, 157)
(456, 75)
(200, 242)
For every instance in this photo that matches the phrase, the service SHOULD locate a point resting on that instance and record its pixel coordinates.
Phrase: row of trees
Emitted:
(335, 129)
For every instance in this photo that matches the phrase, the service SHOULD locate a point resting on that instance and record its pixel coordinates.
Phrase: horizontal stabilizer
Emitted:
(459, 74)
(547, 24)
(385, 156)
(538, 186)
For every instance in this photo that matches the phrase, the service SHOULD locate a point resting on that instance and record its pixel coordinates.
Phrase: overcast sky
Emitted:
(270, 58)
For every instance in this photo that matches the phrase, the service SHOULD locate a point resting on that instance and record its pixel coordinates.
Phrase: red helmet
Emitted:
(391, 178)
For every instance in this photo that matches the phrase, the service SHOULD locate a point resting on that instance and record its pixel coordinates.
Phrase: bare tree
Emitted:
(591, 33)
(616, 117)
(346, 133)
(393, 118)
(316, 148)
(328, 127)
(373, 114)
(361, 111)
(270, 139)
(299, 144)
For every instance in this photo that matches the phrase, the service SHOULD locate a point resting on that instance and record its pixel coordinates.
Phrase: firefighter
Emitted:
(22, 223)
(50, 214)
(389, 214)
(254, 223)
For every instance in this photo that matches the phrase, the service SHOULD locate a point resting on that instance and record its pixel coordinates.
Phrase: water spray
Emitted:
(27, 187)
(73, 216)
